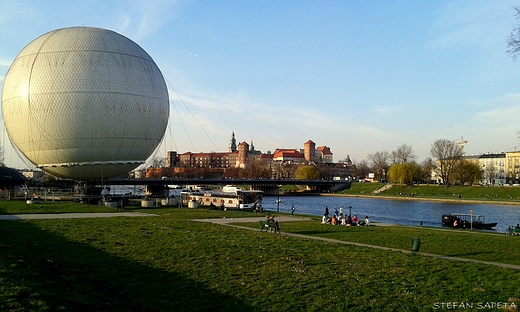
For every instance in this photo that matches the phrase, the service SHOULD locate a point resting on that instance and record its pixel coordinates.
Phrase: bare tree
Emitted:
(362, 169)
(513, 42)
(448, 155)
(491, 173)
(380, 161)
(158, 162)
(403, 154)
(427, 167)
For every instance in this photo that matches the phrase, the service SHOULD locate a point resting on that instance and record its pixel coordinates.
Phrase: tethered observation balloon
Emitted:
(85, 103)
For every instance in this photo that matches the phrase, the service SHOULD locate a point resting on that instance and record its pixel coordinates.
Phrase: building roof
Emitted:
(497, 155)
(324, 149)
(287, 153)
(266, 156)
(209, 154)
(10, 176)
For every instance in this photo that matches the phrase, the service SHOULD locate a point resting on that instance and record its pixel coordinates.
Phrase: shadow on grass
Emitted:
(43, 271)
(311, 233)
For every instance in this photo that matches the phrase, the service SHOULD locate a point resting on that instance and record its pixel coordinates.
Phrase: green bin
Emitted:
(416, 243)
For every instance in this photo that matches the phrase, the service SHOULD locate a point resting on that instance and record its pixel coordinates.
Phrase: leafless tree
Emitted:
(158, 162)
(448, 155)
(362, 169)
(403, 154)
(513, 42)
(380, 161)
(491, 173)
(427, 167)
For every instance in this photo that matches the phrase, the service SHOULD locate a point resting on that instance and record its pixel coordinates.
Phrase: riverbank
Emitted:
(419, 198)
(495, 195)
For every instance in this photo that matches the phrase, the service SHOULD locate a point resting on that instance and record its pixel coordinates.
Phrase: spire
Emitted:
(232, 143)
(251, 146)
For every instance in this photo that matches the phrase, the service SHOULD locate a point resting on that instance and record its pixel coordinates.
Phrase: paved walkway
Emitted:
(34, 216)
(228, 221)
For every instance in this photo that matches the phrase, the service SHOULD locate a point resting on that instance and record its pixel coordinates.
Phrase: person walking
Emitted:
(292, 210)
(326, 214)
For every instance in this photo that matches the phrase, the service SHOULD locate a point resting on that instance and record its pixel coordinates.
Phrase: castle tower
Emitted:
(243, 148)
(171, 159)
(232, 143)
(309, 151)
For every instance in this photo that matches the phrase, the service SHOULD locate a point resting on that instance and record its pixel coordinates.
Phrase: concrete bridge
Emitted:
(269, 186)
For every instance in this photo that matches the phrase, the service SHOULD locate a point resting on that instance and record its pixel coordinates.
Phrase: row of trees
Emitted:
(401, 166)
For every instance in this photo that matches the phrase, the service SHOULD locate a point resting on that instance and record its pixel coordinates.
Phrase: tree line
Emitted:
(401, 166)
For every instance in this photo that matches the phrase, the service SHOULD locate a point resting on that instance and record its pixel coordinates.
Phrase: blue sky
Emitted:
(357, 76)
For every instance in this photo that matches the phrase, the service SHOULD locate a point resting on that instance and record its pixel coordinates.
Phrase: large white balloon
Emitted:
(85, 103)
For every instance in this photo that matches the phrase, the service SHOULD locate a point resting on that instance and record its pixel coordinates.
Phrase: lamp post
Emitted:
(350, 211)
(278, 200)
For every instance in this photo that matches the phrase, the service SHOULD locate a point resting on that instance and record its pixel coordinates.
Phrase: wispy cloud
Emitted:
(143, 17)
(460, 22)
(504, 100)
(501, 116)
(386, 110)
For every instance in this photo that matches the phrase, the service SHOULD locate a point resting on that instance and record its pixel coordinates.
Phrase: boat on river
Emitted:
(466, 221)
(229, 197)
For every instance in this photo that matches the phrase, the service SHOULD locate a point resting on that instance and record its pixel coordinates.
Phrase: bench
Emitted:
(267, 225)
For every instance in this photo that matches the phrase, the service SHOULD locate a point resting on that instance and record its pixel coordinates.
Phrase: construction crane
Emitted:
(461, 144)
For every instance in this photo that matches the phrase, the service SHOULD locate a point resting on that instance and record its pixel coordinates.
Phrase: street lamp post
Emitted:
(278, 200)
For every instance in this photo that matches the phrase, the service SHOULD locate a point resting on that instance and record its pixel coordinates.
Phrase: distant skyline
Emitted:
(356, 76)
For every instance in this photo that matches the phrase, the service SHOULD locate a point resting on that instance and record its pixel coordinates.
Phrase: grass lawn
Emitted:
(172, 263)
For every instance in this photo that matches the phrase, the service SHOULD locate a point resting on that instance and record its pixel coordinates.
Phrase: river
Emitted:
(405, 212)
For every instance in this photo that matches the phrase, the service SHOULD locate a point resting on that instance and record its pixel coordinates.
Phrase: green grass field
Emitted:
(171, 263)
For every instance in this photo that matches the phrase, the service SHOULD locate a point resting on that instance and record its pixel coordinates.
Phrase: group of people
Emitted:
(339, 219)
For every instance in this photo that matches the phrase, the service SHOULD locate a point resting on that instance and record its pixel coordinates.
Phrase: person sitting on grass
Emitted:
(349, 221)
(367, 222)
(333, 220)
(355, 220)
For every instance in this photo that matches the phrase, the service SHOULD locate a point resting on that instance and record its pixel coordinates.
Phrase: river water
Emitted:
(406, 212)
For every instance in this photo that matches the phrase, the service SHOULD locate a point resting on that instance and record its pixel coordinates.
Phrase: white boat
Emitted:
(229, 196)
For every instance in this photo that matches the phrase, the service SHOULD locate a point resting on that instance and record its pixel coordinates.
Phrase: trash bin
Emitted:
(416, 243)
